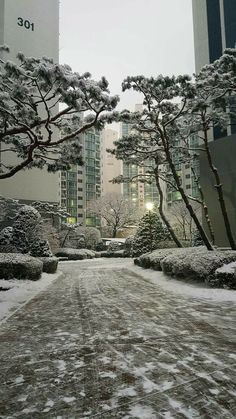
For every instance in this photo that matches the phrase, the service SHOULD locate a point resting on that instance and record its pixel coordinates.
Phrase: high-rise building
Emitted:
(31, 27)
(137, 192)
(72, 194)
(82, 184)
(214, 23)
(111, 167)
(92, 158)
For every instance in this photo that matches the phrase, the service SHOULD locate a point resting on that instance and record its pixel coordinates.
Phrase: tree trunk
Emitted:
(189, 207)
(114, 231)
(65, 238)
(207, 217)
(160, 208)
(219, 189)
(205, 208)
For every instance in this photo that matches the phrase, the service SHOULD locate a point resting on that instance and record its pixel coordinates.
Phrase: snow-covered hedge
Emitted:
(225, 277)
(193, 263)
(49, 264)
(18, 266)
(76, 254)
(153, 259)
(198, 264)
(114, 254)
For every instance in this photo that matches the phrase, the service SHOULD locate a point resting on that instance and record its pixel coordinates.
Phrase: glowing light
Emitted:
(149, 206)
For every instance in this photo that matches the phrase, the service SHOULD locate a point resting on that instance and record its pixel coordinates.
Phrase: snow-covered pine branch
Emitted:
(31, 127)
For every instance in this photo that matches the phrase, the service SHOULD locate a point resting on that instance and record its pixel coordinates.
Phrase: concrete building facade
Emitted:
(214, 23)
(214, 30)
(31, 27)
(111, 167)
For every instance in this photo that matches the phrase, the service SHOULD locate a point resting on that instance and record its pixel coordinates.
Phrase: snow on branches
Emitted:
(31, 126)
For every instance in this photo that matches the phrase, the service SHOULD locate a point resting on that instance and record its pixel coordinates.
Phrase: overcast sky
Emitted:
(116, 38)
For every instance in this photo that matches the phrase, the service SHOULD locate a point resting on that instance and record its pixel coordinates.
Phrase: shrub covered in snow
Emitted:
(76, 254)
(198, 264)
(128, 246)
(113, 247)
(6, 241)
(100, 246)
(224, 277)
(114, 254)
(20, 266)
(49, 264)
(196, 239)
(25, 235)
(153, 259)
(149, 234)
(194, 263)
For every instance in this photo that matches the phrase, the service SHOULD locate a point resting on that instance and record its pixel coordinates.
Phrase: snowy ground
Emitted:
(20, 292)
(102, 342)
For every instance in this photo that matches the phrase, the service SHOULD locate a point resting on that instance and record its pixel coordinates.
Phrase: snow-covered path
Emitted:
(104, 343)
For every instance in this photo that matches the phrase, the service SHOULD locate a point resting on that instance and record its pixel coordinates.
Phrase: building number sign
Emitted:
(25, 23)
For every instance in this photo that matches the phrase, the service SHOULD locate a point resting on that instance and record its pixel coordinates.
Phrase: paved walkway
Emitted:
(104, 343)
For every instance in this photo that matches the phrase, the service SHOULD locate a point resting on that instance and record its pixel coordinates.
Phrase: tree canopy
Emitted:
(34, 131)
(115, 210)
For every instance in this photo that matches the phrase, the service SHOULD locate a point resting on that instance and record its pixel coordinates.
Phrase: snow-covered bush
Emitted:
(77, 254)
(40, 248)
(153, 259)
(49, 264)
(25, 234)
(113, 254)
(191, 263)
(6, 241)
(128, 246)
(196, 239)
(149, 234)
(224, 277)
(113, 246)
(20, 266)
(198, 264)
(100, 246)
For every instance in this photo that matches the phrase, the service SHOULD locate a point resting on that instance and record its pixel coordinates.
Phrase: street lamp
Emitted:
(149, 206)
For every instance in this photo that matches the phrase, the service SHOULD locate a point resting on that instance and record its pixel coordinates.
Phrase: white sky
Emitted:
(127, 37)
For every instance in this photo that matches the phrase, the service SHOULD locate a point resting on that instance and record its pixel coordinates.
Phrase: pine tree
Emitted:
(149, 234)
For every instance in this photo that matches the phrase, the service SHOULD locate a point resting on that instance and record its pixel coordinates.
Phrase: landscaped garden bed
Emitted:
(195, 263)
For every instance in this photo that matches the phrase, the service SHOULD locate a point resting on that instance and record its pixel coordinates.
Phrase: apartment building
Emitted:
(82, 184)
(31, 27)
(110, 166)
